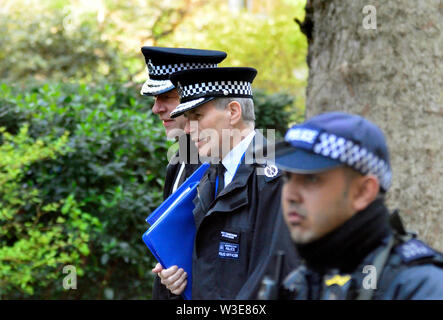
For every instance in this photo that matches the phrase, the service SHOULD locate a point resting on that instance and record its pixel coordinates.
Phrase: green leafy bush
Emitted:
(43, 44)
(273, 111)
(37, 237)
(114, 168)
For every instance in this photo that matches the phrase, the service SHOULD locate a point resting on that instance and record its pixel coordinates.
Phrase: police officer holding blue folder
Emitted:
(237, 208)
(161, 63)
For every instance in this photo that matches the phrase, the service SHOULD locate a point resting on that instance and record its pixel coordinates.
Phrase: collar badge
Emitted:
(271, 171)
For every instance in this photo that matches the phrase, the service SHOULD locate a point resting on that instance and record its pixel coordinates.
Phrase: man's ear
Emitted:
(365, 190)
(235, 112)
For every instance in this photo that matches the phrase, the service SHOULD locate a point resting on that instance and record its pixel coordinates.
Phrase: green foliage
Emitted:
(37, 237)
(269, 41)
(273, 111)
(40, 42)
(114, 168)
(64, 40)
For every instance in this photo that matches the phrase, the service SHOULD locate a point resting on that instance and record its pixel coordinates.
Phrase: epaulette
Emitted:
(408, 247)
(413, 250)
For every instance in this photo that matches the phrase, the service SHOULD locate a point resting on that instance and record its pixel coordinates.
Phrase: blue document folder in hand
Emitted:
(171, 235)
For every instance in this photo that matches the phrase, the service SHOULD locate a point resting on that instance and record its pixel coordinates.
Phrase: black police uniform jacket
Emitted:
(236, 232)
(160, 292)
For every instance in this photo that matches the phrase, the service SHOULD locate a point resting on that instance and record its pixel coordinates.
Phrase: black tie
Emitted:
(208, 187)
(206, 191)
(221, 177)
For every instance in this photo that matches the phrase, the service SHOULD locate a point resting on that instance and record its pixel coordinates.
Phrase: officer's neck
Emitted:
(237, 135)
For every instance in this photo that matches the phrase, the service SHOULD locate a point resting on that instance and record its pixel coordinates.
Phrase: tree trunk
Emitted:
(392, 75)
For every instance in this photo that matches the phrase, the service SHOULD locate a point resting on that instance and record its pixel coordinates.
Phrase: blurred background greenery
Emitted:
(82, 158)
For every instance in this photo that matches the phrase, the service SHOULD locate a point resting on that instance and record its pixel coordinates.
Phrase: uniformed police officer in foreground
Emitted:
(238, 199)
(337, 171)
(161, 63)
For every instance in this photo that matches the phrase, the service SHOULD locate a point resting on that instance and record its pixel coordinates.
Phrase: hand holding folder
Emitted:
(171, 235)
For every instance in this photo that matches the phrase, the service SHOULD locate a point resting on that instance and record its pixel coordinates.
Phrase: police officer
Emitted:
(337, 172)
(161, 63)
(237, 198)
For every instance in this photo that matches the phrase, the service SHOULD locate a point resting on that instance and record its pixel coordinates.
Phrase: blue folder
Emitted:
(171, 235)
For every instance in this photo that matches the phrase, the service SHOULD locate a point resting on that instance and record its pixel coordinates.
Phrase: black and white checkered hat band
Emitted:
(353, 155)
(155, 87)
(222, 88)
(167, 69)
(183, 107)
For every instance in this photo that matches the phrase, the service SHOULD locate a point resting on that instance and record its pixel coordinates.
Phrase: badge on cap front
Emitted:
(179, 89)
(301, 135)
(150, 67)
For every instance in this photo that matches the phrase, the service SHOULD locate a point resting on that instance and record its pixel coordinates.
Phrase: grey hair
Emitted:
(247, 106)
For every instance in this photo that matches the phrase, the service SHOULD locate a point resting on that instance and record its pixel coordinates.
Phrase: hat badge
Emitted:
(179, 89)
(271, 171)
(150, 67)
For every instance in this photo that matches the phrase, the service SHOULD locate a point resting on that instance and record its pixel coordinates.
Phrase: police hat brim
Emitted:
(186, 106)
(154, 87)
(296, 160)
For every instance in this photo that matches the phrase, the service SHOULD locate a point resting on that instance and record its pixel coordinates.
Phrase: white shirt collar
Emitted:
(233, 158)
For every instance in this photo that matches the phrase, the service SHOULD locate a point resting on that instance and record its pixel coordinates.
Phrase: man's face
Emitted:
(315, 204)
(205, 125)
(163, 106)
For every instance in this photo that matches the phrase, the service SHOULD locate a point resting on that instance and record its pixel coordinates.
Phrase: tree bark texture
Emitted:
(393, 76)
